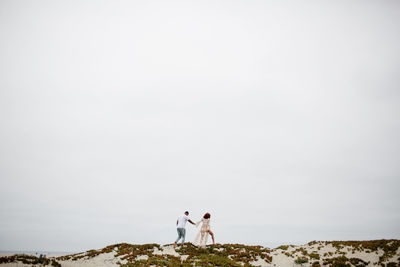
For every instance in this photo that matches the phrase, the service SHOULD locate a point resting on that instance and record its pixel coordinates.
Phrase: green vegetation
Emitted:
(391, 264)
(287, 254)
(224, 255)
(343, 261)
(389, 247)
(235, 255)
(301, 260)
(217, 255)
(301, 250)
(29, 259)
(314, 256)
(283, 247)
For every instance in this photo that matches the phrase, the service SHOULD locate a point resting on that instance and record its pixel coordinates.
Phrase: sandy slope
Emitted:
(375, 253)
(105, 259)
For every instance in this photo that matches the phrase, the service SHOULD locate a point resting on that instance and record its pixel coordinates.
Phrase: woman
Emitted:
(202, 236)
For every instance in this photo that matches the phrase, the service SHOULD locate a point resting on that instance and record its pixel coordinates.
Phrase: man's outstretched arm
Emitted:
(191, 222)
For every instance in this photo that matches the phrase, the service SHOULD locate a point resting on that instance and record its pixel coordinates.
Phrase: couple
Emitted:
(202, 236)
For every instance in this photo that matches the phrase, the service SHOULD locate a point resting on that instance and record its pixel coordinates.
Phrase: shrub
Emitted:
(283, 247)
(314, 256)
(301, 260)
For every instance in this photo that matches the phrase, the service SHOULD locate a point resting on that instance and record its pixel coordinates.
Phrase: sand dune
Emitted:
(316, 253)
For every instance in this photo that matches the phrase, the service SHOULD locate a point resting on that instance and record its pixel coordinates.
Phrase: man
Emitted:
(181, 223)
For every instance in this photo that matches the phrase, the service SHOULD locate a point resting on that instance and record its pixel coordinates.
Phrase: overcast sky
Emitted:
(280, 118)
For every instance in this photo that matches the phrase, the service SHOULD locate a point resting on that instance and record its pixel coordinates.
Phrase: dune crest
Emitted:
(315, 253)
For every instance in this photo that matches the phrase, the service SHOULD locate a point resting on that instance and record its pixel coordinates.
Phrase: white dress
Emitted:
(202, 235)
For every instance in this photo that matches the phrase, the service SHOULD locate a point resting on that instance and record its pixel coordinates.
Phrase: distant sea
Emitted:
(35, 253)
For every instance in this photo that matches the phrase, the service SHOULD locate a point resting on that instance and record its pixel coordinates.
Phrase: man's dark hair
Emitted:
(187, 212)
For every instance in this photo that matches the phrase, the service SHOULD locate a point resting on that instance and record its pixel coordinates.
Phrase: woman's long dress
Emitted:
(202, 236)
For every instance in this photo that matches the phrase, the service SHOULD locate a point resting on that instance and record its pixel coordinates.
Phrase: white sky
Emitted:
(280, 118)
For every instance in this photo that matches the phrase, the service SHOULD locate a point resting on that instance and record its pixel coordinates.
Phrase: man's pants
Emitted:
(181, 234)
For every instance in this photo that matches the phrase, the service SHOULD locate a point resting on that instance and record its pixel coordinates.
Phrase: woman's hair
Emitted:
(207, 216)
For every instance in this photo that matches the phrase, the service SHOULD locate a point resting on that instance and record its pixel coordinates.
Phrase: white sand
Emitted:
(259, 262)
(106, 259)
(278, 256)
(16, 265)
